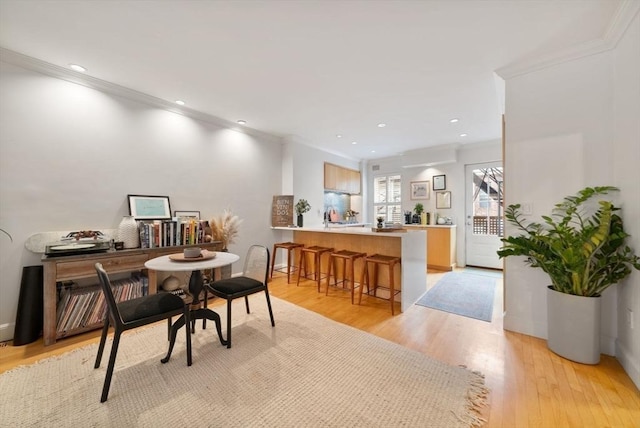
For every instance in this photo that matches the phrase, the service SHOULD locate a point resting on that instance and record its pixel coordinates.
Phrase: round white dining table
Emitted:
(178, 263)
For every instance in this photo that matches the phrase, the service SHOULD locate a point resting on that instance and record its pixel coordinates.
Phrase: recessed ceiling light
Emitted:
(373, 151)
(382, 125)
(338, 136)
(454, 120)
(354, 142)
(180, 102)
(77, 67)
(463, 135)
(242, 122)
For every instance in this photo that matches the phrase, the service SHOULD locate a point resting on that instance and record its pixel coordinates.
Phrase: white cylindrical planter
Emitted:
(573, 326)
(128, 232)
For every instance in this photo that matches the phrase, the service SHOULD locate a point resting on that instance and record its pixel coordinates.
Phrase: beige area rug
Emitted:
(308, 371)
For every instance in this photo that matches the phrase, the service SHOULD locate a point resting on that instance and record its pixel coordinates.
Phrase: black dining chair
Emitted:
(253, 280)
(135, 313)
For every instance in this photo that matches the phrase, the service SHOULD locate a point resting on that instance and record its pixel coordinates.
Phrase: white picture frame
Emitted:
(443, 200)
(419, 190)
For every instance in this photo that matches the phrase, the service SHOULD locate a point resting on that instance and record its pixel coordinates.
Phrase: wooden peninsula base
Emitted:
(409, 246)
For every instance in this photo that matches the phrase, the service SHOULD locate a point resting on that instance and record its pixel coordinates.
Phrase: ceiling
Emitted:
(311, 70)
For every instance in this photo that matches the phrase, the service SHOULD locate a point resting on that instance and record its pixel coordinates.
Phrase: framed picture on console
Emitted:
(190, 214)
(146, 207)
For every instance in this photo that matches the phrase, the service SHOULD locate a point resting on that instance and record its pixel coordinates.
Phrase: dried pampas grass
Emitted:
(225, 228)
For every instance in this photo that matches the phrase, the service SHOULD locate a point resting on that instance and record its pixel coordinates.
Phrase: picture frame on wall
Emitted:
(443, 200)
(189, 214)
(439, 182)
(148, 207)
(419, 190)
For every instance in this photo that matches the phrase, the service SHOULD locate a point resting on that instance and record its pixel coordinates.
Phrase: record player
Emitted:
(82, 242)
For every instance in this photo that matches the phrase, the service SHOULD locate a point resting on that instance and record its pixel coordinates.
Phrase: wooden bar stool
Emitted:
(345, 256)
(289, 247)
(316, 253)
(377, 260)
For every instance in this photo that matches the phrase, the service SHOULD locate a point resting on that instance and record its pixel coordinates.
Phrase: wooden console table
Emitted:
(67, 268)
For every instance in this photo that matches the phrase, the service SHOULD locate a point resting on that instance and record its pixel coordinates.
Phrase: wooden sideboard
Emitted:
(441, 245)
(69, 268)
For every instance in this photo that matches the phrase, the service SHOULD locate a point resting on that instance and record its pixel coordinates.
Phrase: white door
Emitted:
(484, 224)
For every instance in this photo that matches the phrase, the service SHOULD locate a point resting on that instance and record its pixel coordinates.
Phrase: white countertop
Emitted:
(343, 230)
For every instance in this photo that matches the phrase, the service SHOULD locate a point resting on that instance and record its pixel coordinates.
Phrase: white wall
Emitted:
(69, 155)
(569, 126)
(626, 175)
(454, 170)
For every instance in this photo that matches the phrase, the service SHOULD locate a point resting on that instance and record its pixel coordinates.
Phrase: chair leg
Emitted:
(329, 276)
(364, 277)
(289, 258)
(246, 303)
(206, 300)
(266, 293)
(112, 363)
(316, 274)
(229, 323)
(187, 317)
(273, 261)
(391, 287)
(103, 340)
(353, 278)
(300, 267)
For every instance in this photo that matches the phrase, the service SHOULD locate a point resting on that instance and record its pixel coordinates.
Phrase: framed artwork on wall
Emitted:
(419, 190)
(439, 182)
(443, 200)
(145, 207)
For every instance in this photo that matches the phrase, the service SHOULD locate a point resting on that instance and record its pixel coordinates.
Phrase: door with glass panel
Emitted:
(484, 214)
(387, 198)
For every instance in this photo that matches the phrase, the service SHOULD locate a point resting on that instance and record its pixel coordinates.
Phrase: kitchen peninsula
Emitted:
(409, 246)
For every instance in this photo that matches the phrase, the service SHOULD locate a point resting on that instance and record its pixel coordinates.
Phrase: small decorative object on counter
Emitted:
(128, 232)
(380, 222)
(350, 216)
(302, 206)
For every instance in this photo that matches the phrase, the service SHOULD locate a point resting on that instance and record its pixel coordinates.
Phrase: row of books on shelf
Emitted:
(84, 306)
(169, 233)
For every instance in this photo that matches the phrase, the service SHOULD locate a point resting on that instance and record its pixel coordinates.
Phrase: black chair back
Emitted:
(105, 283)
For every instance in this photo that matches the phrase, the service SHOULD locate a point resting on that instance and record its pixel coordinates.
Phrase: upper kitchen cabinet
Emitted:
(341, 179)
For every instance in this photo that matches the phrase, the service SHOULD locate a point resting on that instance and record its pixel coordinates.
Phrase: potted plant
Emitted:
(418, 209)
(581, 247)
(225, 228)
(302, 206)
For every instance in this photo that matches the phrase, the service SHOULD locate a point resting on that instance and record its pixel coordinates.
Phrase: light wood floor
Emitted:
(529, 385)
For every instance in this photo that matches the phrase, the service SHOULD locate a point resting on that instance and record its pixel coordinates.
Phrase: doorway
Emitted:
(484, 226)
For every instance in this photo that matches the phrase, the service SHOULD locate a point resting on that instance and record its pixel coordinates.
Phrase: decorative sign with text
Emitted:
(282, 211)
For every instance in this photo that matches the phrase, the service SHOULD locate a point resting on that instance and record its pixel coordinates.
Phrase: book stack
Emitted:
(169, 233)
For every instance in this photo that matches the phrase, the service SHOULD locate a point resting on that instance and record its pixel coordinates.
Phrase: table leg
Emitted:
(195, 287)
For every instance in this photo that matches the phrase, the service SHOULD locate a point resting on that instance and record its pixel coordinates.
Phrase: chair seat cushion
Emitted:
(148, 306)
(239, 284)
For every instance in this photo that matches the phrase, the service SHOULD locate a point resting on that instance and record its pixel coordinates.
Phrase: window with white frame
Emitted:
(387, 198)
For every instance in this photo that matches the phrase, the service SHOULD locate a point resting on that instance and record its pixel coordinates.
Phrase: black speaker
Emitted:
(29, 316)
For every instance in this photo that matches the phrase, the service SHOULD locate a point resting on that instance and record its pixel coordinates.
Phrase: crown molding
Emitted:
(79, 78)
(617, 27)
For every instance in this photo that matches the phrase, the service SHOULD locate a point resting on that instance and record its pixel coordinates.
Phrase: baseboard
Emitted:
(630, 364)
(6, 331)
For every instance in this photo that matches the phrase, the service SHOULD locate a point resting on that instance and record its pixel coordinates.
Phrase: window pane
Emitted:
(488, 201)
(379, 190)
(395, 186)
